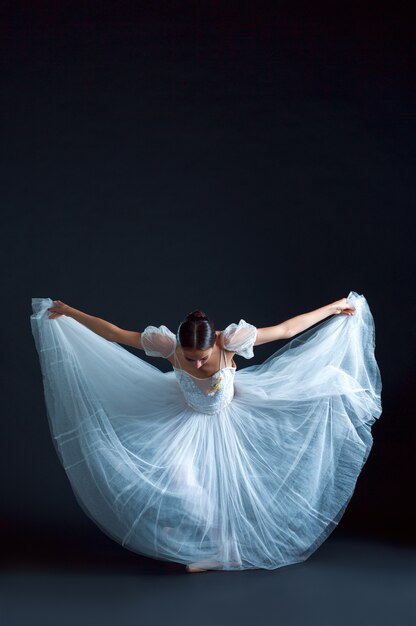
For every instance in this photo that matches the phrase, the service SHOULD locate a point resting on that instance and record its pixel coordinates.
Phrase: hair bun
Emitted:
(197, 314)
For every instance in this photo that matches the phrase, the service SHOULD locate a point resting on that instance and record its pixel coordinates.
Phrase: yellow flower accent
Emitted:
(217, 385)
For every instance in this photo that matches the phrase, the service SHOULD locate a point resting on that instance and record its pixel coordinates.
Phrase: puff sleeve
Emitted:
(240, 338)
(158, 341)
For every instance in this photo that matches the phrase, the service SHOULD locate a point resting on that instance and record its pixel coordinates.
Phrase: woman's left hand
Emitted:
(59, 308)
(342, 306)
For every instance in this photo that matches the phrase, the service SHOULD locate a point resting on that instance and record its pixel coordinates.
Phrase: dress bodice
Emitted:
(207, 395)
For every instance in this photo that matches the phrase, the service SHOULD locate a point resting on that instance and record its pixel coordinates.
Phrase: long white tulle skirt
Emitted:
(259, 485)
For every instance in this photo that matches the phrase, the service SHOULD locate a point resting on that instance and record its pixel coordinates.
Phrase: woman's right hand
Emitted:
(342, 306)
(59, 308)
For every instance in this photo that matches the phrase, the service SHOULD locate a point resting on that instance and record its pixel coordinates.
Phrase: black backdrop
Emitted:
(242, 157)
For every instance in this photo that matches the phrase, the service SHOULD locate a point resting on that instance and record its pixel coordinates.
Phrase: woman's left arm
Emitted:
(299, 323)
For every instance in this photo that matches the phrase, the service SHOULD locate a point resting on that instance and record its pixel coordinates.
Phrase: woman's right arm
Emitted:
(299, 323)
(101, 327)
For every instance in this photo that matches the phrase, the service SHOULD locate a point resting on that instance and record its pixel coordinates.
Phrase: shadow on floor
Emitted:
(346, 581)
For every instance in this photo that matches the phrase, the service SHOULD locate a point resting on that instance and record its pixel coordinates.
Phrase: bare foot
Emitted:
(203, 567)
(195, 568)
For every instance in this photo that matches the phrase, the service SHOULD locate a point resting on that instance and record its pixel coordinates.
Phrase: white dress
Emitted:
(252, 468)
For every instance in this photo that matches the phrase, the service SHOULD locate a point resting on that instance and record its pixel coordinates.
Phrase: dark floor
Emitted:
(346, 582)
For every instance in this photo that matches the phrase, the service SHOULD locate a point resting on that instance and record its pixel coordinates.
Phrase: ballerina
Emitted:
(207, 465)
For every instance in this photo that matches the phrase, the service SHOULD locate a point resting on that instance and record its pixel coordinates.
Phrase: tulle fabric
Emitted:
(240, 338)
(259, 484)
(158, 341)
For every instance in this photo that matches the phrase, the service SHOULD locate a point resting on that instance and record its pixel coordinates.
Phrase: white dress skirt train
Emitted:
(251, 470)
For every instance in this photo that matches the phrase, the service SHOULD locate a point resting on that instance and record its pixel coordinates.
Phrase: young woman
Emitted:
(208, 465)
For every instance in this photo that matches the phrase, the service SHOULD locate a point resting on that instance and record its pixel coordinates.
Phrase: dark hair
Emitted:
(197, 331)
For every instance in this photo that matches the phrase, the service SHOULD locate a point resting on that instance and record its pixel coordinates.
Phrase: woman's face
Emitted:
(197, 358)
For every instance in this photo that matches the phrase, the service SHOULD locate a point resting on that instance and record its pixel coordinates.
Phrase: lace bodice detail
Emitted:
(206, 395)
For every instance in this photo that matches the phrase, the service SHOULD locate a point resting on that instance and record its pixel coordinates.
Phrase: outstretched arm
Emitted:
(101, 327)
(299, 323)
